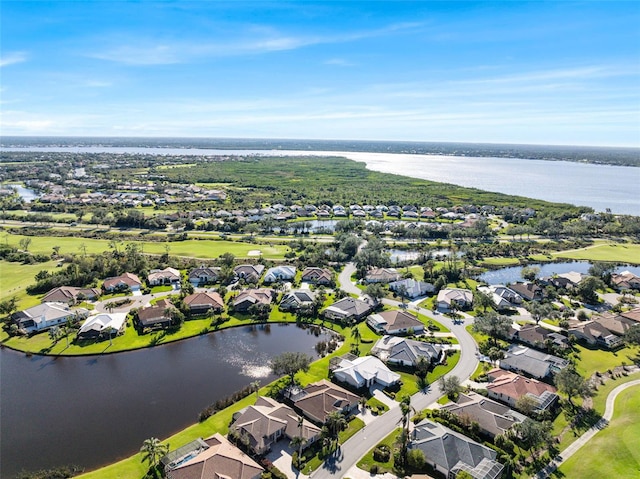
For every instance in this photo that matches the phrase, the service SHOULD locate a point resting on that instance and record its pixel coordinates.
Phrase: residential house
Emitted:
(70, 295)
(249, 297)
(625, 280)
(457, 298)
(211, 458)
(320, 276)
(509, 387)
(294, 300)
(411, 288)
(46, 315)
(157, 315)
(574, 278)
(251, 273)
(537, 364)
(347, 310)
(632, 314)
(395, 322)
(169, 276)
(268, 421)
(450, 452)
(200, 303)
(319, 399)
(528, 291)
(594, 333)
(534, 335)
(103, 324)
(280, 273)
(616, 323)
(203, 275)
(382, 275)
(364, 372)
(407, 352)
(492, 417)
(122, 282)
(502, 296)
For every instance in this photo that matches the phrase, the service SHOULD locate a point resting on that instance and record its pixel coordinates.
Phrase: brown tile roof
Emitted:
(155, 314)
(129, 279)
(67, 294)
(633, 314)
(211, 299)
(322, 398)
(254, 296)
(515, 386)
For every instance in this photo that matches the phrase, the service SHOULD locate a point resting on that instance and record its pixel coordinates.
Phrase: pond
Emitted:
(514, 273)
(27, 194)
(95, 410)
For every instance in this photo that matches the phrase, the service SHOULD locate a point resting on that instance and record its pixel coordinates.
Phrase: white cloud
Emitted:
(13, 58)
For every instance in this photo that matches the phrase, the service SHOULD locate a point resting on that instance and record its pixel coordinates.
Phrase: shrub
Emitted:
(373, 469)
(382, 453)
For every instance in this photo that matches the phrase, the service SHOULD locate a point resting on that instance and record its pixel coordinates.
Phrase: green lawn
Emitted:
(496, 261)
(614, 451)
(15, 277)
(367, 461)
(624, 253)
(591, 360)
(192, 248)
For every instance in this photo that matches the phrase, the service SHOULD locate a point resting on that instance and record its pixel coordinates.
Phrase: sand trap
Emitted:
(254, 252)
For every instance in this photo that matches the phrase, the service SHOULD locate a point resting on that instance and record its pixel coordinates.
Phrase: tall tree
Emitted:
(569, 382)
(492, 324)
(355, 334)
(152, 451)
(290, 363)
(484, 301)
(532, 434)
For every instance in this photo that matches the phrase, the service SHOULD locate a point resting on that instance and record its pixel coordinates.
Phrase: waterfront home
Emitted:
(319, 399)
(214, 457)
(123, 282)
(595, 334)
(168, 276)
(411, 288)
(509, 387)
(251, 273)
(382, 275)
(492, 417)
(625, 280)
(406, 352)
(103, 324)
(364, 372)
(347, 310)
(536, 364)
(528, 291)
(158, 315)
(268, 421)
(294, 300)
(458, 298)
(45, 316)
(250, 297)
(450, 452)
(200, 303)
(280, 273)
(70, 295)
(320, 276)
(203, 275)
(395, 322)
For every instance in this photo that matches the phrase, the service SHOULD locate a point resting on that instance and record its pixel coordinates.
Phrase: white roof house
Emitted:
(280, 273)
(411, 287)
(502, 296)
(46, 315)
(364, 371)
(448, 296)
(103, 323)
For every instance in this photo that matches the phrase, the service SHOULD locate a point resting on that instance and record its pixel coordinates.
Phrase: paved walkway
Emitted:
(582, 440)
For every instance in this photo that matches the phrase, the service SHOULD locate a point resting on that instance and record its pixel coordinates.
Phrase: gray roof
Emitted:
(533, 362)
(392, 348)
(453, 451)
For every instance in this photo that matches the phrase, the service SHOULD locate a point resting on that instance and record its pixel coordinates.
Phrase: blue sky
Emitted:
(507, 72)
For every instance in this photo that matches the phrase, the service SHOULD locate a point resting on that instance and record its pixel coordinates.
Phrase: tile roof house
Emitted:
(280, 273)
(625, 280)
(156, 315)
(395, 322)
(203, 275)
(534, 363)
(249, 297)
(294, 300)
(633, 314)
(450, 452)
(461, 298)
(103, 324)
(364, 372)
(382, 275)
(45, 316)
(594, 333)
(406, 352)
(319, 399)
(528, 291)
(533, 335)
(163, 276)
(124, 281)
(492, 417)
(249, 272)
(347, 309)
(268, 421)
(509, 387)
(411, 287)
(315, 275)
(70, 295)
(211, 458)
(616, 323)
(203, 302)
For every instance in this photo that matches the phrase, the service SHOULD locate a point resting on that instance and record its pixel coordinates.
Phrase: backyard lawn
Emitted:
(15, 277)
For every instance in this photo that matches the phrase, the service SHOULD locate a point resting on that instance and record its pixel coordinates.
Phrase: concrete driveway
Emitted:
(280, 456)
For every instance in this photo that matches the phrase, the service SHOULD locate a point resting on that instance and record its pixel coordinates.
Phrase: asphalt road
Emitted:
(368, 437)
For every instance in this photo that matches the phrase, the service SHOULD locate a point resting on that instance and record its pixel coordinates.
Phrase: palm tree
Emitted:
(152, 450)
(334, 424)
(54, 333)
(406, 409)
(355, 334)
(299, 440)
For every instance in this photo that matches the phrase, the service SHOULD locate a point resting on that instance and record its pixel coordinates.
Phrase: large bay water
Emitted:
(95, 410)
(600, 187)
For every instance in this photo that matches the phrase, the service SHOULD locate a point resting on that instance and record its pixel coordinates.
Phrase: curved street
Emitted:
(367, 438)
